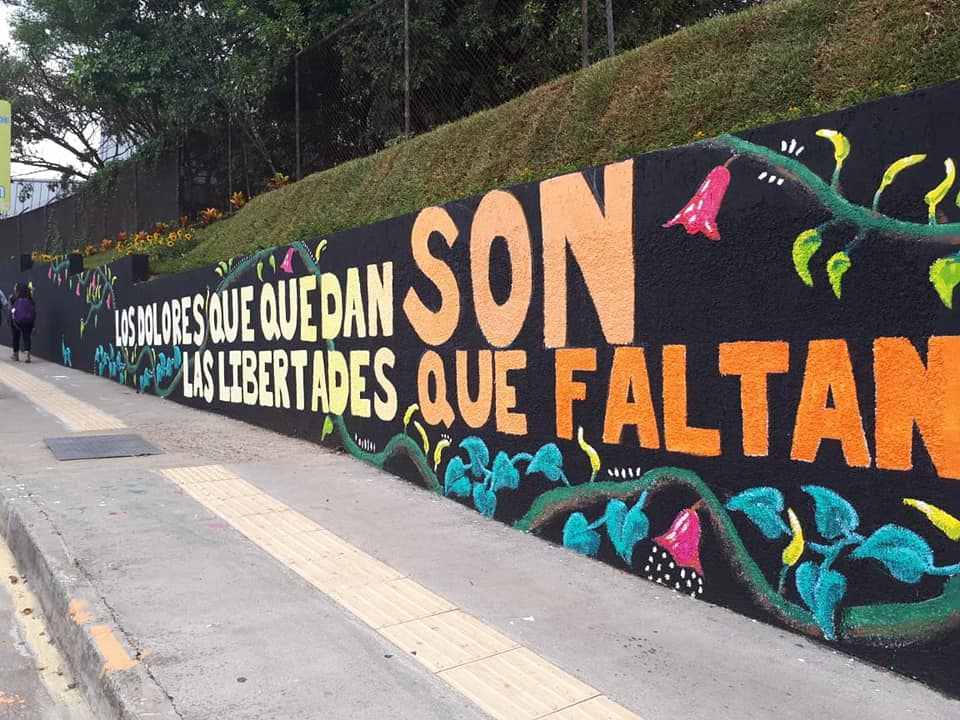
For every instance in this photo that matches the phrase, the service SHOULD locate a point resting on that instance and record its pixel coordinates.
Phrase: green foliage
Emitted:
(707, 79)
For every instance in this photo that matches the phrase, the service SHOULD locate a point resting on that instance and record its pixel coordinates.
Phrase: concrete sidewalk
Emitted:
(166, 609)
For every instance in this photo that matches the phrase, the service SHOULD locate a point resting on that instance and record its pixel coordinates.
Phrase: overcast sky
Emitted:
(48, 150)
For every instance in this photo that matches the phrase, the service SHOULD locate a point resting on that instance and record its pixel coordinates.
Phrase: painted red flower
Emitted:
(700, 214)
(682, 540)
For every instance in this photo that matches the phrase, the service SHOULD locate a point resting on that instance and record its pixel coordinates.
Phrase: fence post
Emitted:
(584, 35)
(406, 69)
(296, 108)
(611, 50)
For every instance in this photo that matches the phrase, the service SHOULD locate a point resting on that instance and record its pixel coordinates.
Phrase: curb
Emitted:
(55, 579)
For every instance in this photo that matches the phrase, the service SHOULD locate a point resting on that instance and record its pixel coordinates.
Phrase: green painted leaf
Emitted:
(549, 461)
(504, 474)
(273, 263)
(906, 555)
(455, 480)
(804, 248)
(478, 454)
(835, 516)
(837, 266)
(762, 505)
(484, 500)
(327, 428)
(578, 536)
(945, 276)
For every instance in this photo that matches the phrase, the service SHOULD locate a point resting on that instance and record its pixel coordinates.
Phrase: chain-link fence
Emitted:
(394, 70)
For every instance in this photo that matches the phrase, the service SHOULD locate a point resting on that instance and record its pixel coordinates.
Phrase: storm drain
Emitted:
(88, 447)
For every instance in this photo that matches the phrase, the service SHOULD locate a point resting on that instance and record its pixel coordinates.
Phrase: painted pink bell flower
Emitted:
(108, 301)
(78, 289)
(287, 264)
(50, 273)
(682, 540)
(700, 214)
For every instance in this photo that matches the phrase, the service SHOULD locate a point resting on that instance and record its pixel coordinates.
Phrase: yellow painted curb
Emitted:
(80, 416)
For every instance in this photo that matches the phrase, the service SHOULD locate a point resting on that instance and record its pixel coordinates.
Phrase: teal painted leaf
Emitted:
(504, 475)
(808, 574)
(762, 505)
(485, 500)
(626, 527)
(906, 555)
(945, 276)
(578, 536)
(822, 591)
(549, 461)
(834, 515)
(455, 480)
(478, 454)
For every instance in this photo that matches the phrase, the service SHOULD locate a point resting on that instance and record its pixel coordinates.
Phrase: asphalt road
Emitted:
(33, 683)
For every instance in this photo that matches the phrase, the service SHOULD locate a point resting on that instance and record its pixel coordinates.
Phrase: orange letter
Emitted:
(628, 378)
(434, 328)
(908, 393)
(568, 389)
(508, 422)
(600, 238)
(829, 373)
(753, 361)
(435, 409)
(500, 215)
(678, 436)
(475, 412)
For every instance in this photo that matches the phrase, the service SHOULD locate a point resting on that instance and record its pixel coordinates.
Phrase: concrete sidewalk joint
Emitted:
(504, 679)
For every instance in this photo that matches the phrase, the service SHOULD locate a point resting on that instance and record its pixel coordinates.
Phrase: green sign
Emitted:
(4, 156)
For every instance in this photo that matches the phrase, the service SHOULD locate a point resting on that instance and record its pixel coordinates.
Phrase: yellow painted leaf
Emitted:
(409, 414)
(590, 452)
(935, 196)
(841, 146)
(423, 436)
(793, 551)
(941, 519)
(438, 451)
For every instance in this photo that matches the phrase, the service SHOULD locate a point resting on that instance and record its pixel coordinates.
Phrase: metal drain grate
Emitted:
(87, 447)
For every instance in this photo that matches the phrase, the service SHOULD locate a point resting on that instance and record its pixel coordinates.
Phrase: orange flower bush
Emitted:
(237, 200)
(210, 215)
(278, 181)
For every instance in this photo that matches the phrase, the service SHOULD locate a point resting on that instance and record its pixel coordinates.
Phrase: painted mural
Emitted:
(731, 368)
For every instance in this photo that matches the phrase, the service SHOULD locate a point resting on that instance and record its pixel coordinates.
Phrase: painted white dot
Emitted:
(659, 567)
(762, 175)
(677, 586)
(689, 584)
(659, 581)
(671, 565)
(667, 576)
(780, 181)
(649, 577)
(700, 590)
(683, 572)
(693, 596)
(647, 569)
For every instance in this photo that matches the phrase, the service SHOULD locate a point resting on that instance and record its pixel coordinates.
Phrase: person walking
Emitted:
(23, 316)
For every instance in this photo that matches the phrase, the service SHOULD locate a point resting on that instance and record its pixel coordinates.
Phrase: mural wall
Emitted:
(732, 368)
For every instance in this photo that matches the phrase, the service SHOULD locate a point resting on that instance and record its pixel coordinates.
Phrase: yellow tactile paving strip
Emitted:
(80, 416)
(507, 681)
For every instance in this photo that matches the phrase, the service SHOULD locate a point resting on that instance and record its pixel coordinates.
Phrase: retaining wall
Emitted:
(732, 367)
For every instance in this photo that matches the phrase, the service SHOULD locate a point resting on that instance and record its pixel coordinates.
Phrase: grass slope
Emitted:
(774, 62)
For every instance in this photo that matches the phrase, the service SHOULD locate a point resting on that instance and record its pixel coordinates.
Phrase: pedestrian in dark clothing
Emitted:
(23, 316)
